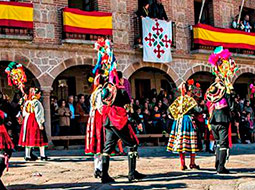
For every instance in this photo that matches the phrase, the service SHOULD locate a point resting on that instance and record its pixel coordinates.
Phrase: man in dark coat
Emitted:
(116, 124)
(157, 10)
(220, 120)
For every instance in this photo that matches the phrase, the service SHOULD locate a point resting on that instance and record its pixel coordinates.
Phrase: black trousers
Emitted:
(220, 133)
(112, 135)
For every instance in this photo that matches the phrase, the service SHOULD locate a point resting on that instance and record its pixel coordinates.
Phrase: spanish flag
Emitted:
(228, 38)
(16, 14)
(83, 22)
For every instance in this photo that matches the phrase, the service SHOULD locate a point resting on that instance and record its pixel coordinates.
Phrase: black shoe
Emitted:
(27, 159)
(44, 158)
(136, 176)
(33, 157)
(107, 179)
(223, 171)
(98, 174)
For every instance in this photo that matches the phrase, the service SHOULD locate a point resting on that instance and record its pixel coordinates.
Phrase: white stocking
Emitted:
(28, 152)
(211, 145)
(42, 151)
(98, 162)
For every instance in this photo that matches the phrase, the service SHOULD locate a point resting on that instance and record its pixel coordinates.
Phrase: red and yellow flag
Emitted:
(228, 38)
(16, 14)
(77, 21)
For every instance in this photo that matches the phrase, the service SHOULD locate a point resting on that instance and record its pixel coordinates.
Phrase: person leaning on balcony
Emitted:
(234, 23)
(144, 11)
(245, 24)
(158, 10)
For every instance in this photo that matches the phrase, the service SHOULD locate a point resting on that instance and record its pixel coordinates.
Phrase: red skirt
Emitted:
(5, 140)
(94, 140)
(34, 136)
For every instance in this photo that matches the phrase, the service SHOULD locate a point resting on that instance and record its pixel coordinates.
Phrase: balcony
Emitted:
(205, 38)
(16, 20)
(138, 31)
(83, 26)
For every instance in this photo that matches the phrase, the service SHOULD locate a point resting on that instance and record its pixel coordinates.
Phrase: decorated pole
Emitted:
(241, 9)
(201, 11)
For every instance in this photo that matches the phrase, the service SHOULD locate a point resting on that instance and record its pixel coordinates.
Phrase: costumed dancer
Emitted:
(115, 121)
(220, 97)
(32, 133)
(183, 136)
(105, 69)
(6, 147)
(94, 142)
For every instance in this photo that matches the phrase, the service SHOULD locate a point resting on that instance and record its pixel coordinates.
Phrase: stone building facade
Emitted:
(46, 55)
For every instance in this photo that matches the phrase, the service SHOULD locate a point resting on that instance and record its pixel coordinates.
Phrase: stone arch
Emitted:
(242, 71)
(195, 69)
(65, 65)
(132, 68)
(19, 58)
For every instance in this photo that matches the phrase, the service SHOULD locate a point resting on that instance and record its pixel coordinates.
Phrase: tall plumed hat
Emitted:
(109, 93)
(215, 92)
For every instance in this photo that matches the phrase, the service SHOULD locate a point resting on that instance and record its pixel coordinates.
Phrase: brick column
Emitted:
(46, 104)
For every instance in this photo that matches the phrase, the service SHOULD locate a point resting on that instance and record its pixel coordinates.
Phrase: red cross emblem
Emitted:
(159, 51)
(157, 29)
(150, 39)
(167, 41)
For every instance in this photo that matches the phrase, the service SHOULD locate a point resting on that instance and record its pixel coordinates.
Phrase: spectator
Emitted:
(76, 100)
(234, 24)
(71, 107)
(157, 120)
(245, 127)
(153, 102)
(64, 120)
(54, 116)
(137, 104)
(141, 125)
(144, 11)
(248, 108)
(81, 111)
(15, 107)
(158, 10)
(147, 121)
(245, 24)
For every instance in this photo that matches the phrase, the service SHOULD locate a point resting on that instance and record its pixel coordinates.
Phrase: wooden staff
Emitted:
(239, 17)
(201, 11)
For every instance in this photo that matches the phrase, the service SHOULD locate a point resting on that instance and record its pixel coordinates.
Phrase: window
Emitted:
(251, 13)
(207, 15)
(85, 5)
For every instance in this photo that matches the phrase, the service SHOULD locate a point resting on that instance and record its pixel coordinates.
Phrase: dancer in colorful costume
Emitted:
(32, 132)
(183, 136)
(115, 120)
(220, 103)
(6, 147)
(94, 142)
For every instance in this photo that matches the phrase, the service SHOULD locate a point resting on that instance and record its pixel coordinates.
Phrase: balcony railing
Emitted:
(16, 31)
(84, 25)
(16, 19)
(206, 37)
(138, 32)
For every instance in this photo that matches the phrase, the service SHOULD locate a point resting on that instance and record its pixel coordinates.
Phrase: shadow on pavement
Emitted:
(69, 186)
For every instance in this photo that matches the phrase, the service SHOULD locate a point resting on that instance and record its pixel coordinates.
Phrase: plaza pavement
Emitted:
(71, 170)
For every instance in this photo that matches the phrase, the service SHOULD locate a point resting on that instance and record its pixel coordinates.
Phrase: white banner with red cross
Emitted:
(157, 40)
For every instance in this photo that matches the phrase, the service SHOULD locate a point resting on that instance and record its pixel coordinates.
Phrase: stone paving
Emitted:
(71, 170)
